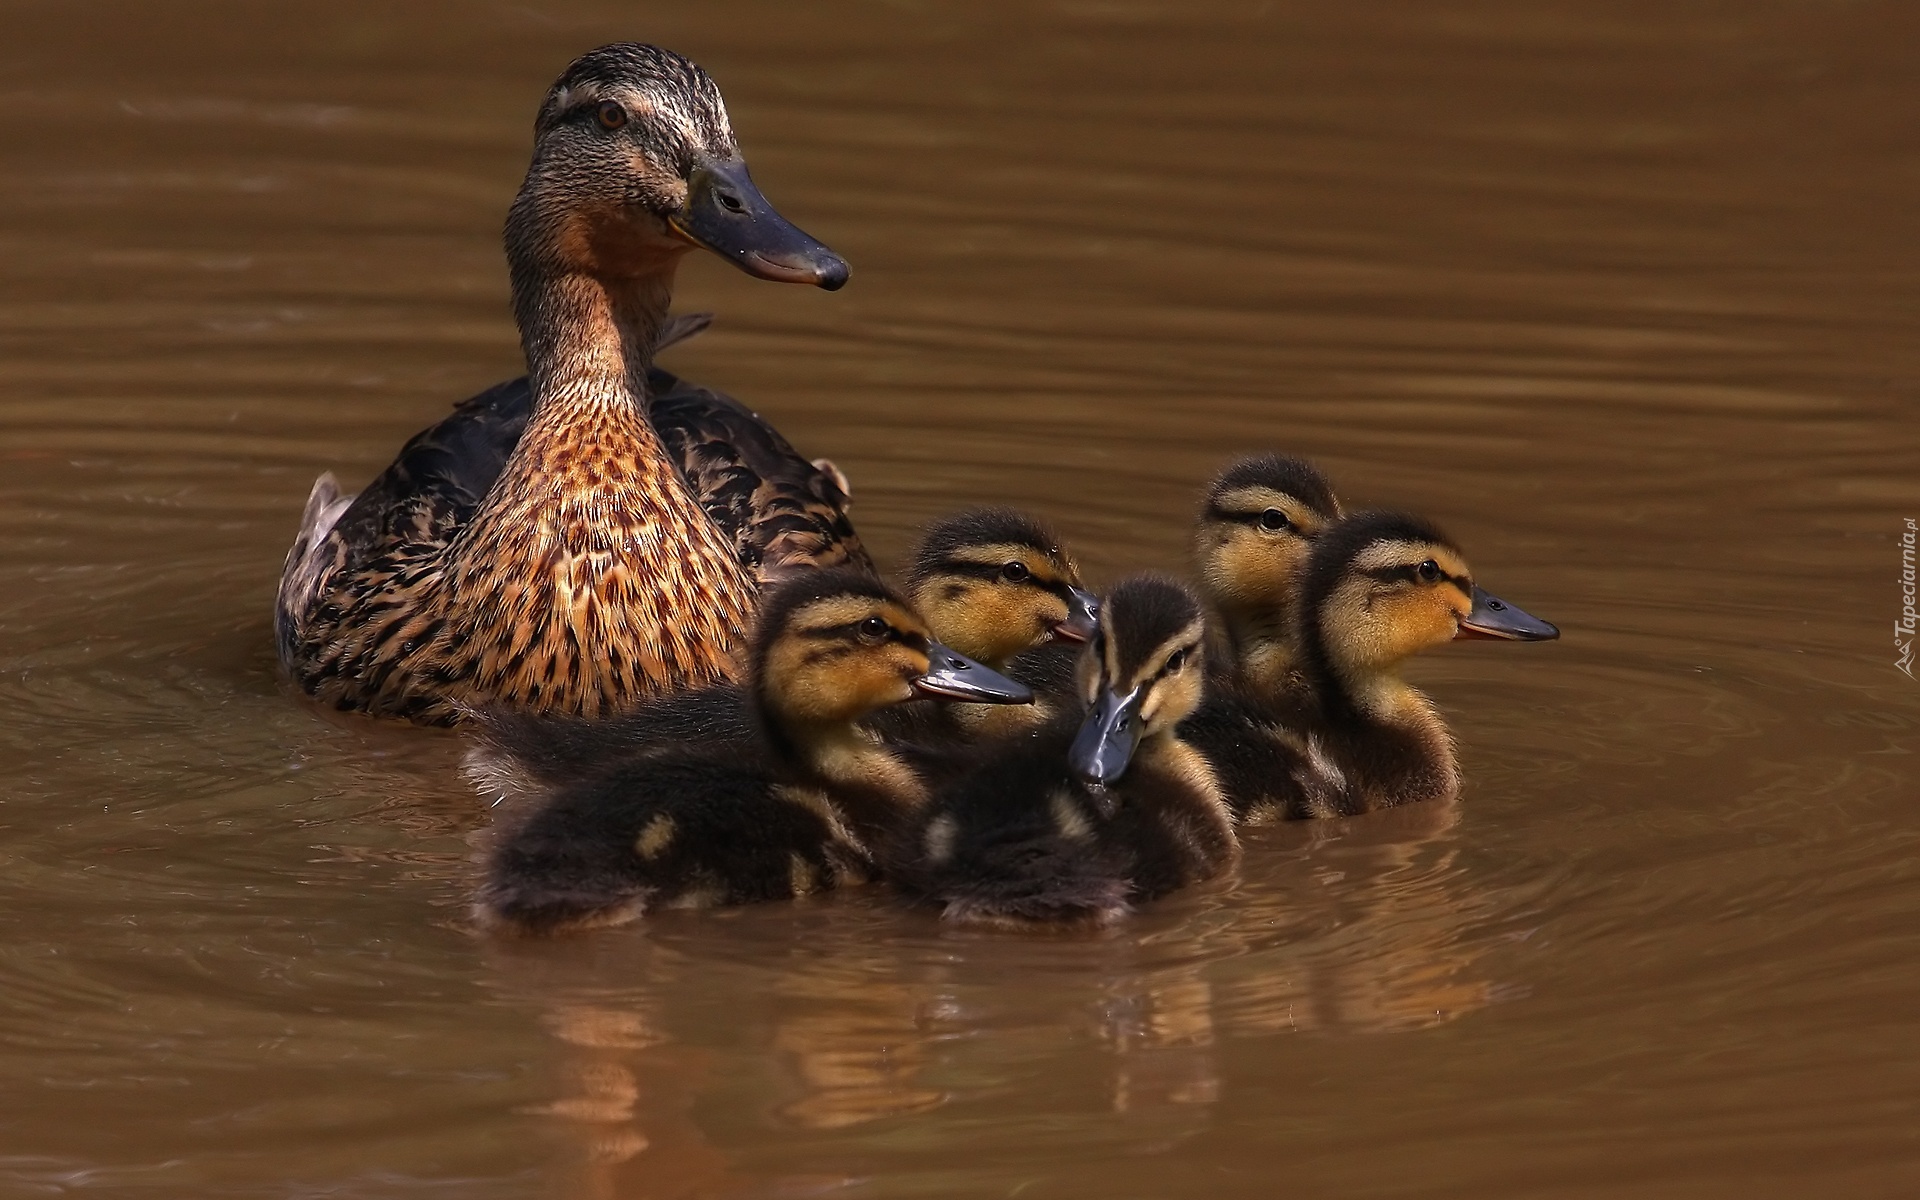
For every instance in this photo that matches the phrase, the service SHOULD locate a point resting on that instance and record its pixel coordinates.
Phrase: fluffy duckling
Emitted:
(793, 808)
(1250, 544)
(999, 587)
(1344, 733)
(1260, 517)
(1099, 813)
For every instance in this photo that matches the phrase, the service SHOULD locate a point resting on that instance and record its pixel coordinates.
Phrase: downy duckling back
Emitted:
(794, 807)
(1102, 811)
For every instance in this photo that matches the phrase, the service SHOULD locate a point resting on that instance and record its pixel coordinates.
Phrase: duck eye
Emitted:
(611, 115)
(1428, 571)
(1176, 660)
(1015, 572)
(1274, 520)
(873, 629)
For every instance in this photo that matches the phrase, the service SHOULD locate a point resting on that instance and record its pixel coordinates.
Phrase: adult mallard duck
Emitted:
(543, 548)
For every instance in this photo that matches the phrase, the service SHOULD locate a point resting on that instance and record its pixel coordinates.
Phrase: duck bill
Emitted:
(1107, 739)
(1083, 617)
(726, 214)
(953, 676)
(1494, 618)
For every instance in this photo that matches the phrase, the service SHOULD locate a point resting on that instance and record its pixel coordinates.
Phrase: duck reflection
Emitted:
(694, 1047)
(856, 1048)
(1374, 927)
(1160, 1035)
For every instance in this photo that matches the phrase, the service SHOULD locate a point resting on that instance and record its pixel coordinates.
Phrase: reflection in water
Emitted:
(864, 1015)
(1391, 915)
(857, 1044)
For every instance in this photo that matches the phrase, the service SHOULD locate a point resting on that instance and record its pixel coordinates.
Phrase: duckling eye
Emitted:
(1176, 660)
(611, 115)
(873, 629)
(1015, 572)
(1428, 572)
(1273, 520)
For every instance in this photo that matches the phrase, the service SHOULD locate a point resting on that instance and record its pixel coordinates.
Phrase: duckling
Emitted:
(1106, 809)
(993, 584)
(1250, 543)
(1344, 734)
(560, 561)
(794, 807)
(998, 586)
(1260, 516)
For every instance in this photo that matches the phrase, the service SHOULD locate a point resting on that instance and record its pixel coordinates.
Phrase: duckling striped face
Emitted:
(1167, 677)
(839, 657)
(993, 583)
(1260, 518)
(1141, 675)
(1395, 598)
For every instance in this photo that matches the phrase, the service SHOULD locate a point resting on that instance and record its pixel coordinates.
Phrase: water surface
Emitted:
(1624, 296)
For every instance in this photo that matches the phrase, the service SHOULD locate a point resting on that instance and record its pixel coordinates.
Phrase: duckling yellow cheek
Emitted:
(1007, 619)
(879, 681)
(1415, 623)
(1251, 571)
(1173, 700)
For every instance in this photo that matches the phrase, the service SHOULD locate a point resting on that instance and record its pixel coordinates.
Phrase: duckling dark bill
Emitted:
(951, 675)
(1492, 617)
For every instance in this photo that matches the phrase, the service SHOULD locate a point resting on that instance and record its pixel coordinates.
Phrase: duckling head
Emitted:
(635, 163)
(1140, 676)
(832, 646)
(993, 582)
(1380, 587)
(1259, 519)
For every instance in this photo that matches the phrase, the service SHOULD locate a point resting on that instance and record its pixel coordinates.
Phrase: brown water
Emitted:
(1623, 294)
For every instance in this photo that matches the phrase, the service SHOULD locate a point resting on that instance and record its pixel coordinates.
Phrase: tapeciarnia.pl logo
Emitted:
(1903, 626)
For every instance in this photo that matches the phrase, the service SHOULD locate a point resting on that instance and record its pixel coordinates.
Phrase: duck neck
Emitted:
(1259, 643)
(590, 576)
(1377, 738)
(1165, 752)
(589, 339)
(843, 755)
(1347, 691)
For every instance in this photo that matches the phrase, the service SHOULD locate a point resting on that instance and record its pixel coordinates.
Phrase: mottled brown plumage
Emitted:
(581, 548)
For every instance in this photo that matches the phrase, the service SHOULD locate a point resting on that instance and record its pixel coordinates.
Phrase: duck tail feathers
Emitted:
(310, 561)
